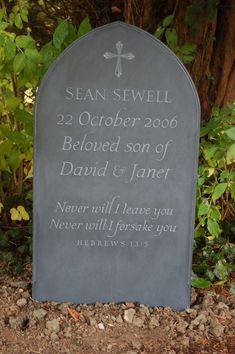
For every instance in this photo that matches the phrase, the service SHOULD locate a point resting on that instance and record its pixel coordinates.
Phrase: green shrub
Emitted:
(215, 212)
(22, 64)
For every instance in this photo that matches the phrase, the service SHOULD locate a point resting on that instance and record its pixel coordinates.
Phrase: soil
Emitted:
(29, 326)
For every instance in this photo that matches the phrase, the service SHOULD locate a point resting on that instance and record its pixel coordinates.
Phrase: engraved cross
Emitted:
(119, 56)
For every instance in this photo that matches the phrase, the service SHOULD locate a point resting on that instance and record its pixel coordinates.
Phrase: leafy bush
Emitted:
(214, 231)
(23, 62)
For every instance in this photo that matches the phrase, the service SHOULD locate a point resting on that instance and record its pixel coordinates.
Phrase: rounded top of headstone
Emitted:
(119, 53)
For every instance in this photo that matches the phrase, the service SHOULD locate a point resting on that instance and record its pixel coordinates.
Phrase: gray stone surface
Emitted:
(116, 140)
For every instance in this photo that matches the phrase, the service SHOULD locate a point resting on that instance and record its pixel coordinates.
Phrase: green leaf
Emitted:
(5, 147)
(167, 20)
(14, 159)
(84, 27)
(215, 214)
(213, 227)
(19, 62)
(203, 209)
(25, 42)
(200, 283)
(60, 34)
(2, 12)
(224, 175)
(10, 49)
(209, 152)
(230, 157)
(24, 116)
(221, 270)
(232, 188)
(219, 191)
(3, 25)
(3, 164)
(171, 38)
(18, 21)
(27, 119)
(231, 133)
(16, 137)
(33, 55)
(159, 32)
(188, 48)
(232, 289)
(12, 103)
(186, 58)
(31, 71)
(24, 14)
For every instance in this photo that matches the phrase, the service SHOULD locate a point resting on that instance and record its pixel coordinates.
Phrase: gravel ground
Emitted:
(29, 326)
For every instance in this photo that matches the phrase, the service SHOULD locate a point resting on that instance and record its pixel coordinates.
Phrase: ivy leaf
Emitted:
(24, 14)
(10, 49)
(230, 157)
(221, 270)
(19, 62)
(167, 21)
(232, 188)
(232, 289)
(231, 133)
(84, 27)
(33, 55)
(213, 227)
(25, 42)
(27, 119)
(159, 32)
(15, 137)
(6, 147)
(224, 175)
(2, 12)
(186, 58)
(215, 214)
(14, 159)
(200, 283)
(3, 25)
(3, 164)
(209, 152)
(188, 48)
(18, 21)
(60, 34)
(12, 103)
(219, 191)
(171, 38)
(203, 209)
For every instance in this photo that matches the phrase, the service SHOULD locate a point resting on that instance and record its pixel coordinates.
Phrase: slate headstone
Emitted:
(116, 149)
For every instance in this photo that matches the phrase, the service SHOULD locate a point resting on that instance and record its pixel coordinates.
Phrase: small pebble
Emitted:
(21, 302)
(101, 326)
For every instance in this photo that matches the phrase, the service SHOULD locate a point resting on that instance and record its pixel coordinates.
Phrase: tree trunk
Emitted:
(213, 68)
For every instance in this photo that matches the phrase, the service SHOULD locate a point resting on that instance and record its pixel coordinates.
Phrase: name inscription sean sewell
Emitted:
(118, 95)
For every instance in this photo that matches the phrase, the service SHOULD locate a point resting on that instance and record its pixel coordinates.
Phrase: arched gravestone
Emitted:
(116, 148)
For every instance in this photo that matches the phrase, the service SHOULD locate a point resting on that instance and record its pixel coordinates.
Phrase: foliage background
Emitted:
(34, 33)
